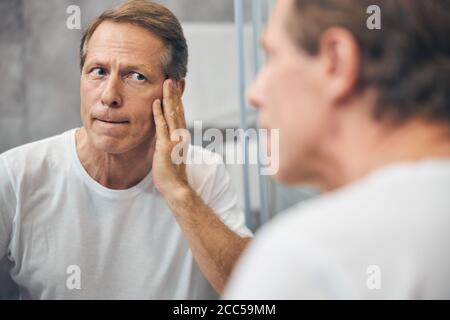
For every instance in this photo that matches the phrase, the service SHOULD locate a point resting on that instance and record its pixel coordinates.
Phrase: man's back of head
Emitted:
(349, 97)
(365, 114)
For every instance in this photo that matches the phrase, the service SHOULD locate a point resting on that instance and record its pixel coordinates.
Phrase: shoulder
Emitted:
(304, 250)
(205, 169)
(35, 156)
(36, 148)
(322, 228)
(199, 157)
(332, 221)
(338, 235)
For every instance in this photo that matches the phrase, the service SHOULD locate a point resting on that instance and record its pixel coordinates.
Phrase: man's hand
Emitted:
(169, 176)
(214, 246)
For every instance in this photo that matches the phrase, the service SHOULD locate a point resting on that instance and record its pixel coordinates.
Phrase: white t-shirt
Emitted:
(58, 226)
(386, 236)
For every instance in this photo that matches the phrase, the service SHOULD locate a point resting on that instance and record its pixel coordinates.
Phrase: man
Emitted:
(102, 211)
(364, 115)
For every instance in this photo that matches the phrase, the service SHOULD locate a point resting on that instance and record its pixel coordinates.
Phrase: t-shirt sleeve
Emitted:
(7, 207)
(213, 183)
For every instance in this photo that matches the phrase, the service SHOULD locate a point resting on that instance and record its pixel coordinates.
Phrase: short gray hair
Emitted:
(157, 19)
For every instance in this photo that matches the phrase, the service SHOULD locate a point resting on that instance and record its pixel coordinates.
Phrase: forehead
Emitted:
(124, 41)
(276, 26)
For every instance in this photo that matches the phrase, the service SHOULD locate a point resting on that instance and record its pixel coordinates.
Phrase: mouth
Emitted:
(113, 121)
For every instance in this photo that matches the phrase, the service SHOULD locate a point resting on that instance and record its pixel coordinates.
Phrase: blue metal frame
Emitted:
(239, 20)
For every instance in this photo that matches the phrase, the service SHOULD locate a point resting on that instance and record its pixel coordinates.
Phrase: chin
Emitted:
(291, 175)
(285, 179)
(109, 145)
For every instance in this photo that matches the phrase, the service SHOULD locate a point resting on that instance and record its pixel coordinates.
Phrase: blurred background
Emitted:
(39, 82)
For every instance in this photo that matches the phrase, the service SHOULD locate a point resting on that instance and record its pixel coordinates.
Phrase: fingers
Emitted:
(173, 106)
(180, 109)
(162, 131)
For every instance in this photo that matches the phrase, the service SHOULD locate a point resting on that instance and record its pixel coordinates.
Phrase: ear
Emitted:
(341, 56)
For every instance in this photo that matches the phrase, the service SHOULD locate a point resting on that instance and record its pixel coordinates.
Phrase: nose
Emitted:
(111, 95)
(254, 94)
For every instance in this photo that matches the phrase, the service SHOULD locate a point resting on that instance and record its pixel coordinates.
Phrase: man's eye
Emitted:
(137, 76)
(98, 72)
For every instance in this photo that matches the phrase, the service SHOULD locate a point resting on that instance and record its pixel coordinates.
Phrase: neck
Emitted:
(365, 147)
(114, 171)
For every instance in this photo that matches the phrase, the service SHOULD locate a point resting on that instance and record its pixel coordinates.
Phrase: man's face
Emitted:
(121, 77)
(287, 93)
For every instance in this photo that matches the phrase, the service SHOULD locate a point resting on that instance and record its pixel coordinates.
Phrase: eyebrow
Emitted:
(142, 66)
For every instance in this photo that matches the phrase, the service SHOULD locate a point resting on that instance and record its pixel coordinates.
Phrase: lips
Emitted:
(110, 120)
(113, 121)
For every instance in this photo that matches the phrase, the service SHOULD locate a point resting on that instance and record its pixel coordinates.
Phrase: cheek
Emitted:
(88, 97)
(296, 94)
(281, 94)
(84, 109)
(142, 115)
(294, 109)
